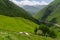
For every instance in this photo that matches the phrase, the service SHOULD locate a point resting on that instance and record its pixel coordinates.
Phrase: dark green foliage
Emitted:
(44, 30)
(9, 37)
(52, 34)
(35, 30)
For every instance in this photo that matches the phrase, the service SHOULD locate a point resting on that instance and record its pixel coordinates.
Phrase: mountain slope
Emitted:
(33, 9)
(51, 12)
(9, 9)
(50, 15)
(14, 19)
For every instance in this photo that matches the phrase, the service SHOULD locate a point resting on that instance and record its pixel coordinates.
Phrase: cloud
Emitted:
(30, 3)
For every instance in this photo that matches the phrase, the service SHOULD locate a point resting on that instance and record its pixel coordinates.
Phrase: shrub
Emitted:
(52, 34)
(44, 29)
(39, 32)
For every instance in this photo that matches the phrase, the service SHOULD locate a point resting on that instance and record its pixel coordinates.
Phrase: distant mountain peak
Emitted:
(29, 3)
(33, 9)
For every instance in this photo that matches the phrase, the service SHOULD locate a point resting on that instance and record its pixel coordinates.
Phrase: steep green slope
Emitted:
(9, 9)
(51, 12)
(14, 19)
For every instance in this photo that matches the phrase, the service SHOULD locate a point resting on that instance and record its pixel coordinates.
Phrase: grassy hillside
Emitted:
(15, 24)
(17, 36)
(51, 12)
(13, 16)
(13, 20)
(8, 8)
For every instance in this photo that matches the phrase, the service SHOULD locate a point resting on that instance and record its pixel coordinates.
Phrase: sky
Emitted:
(31, 2)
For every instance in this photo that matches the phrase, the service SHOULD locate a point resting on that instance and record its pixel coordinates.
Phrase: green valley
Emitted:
(18, 24)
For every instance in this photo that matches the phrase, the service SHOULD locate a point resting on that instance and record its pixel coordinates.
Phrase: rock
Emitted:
(20, 32)
(26, 33)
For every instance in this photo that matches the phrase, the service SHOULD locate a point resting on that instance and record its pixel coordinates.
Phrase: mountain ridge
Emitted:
(50, 12)
(33, 9)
